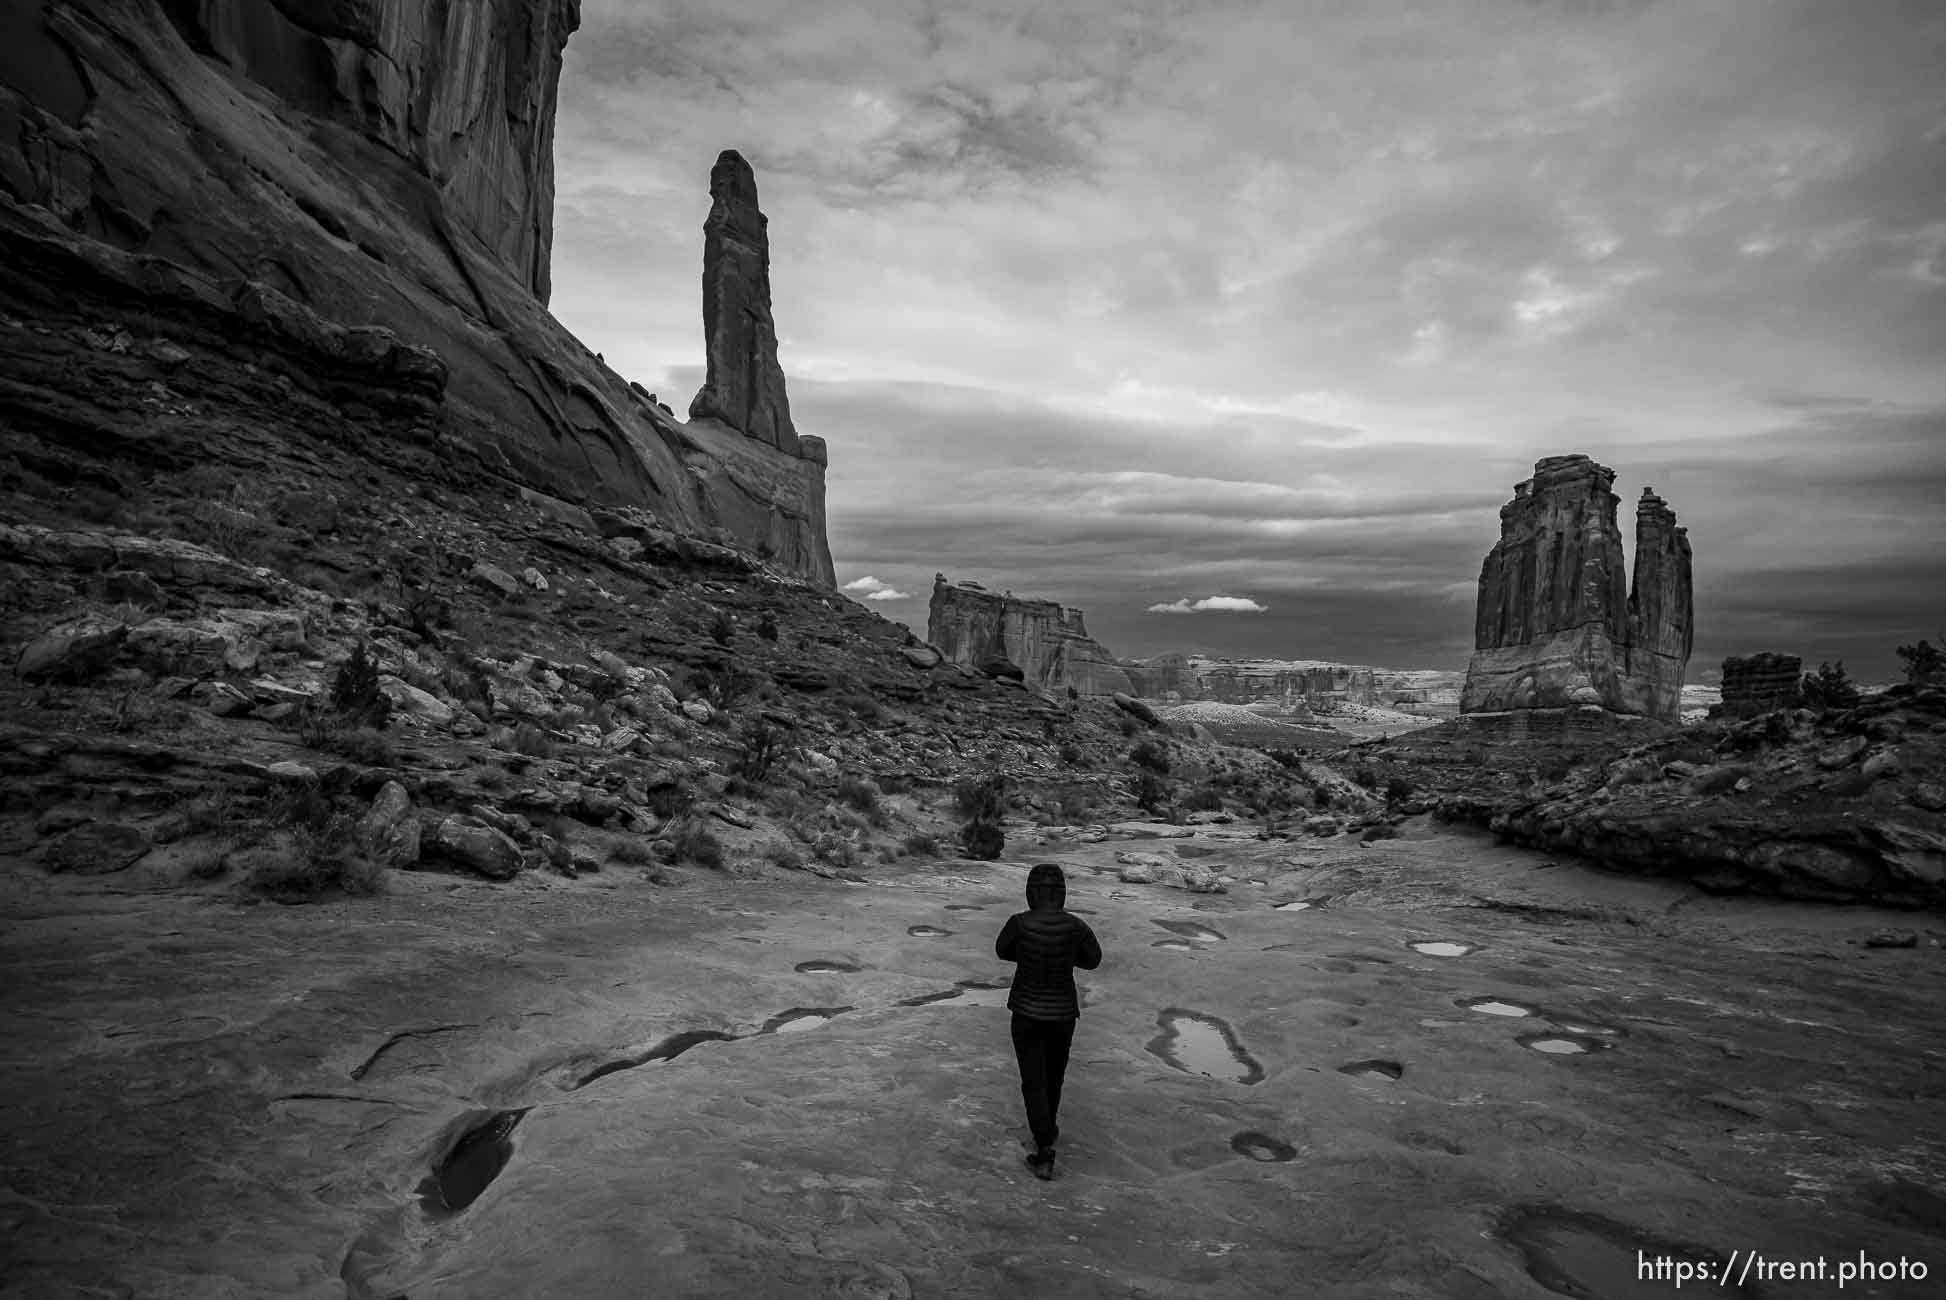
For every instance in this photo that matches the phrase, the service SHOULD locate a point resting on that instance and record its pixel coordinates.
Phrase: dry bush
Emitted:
(305, 863)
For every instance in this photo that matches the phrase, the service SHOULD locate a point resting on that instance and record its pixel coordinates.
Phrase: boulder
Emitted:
(409, 699)
(74, 652)
(389, 833)
(1136, 709)
(921, 656)
(470, 843)
(96, 849)
(534, 578)
(697, 710)
(492, 578)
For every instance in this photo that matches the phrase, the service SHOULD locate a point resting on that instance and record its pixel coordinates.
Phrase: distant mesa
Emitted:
(1047, 642)
(1555, 628)
(1759, 683)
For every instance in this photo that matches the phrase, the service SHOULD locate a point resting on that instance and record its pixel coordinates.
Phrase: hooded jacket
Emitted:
(1046, 943)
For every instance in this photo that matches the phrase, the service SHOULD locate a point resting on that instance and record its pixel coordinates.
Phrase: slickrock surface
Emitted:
(225, 210)
(798, 1087)
(1555, 627)
(1049, 642)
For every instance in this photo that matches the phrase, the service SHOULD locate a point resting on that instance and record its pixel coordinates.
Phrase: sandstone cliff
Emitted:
(1048, 641)
(375, 178)
(744, 387)
(1555, 626)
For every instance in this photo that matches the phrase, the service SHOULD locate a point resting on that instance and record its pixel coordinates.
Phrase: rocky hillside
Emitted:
(1846, 805)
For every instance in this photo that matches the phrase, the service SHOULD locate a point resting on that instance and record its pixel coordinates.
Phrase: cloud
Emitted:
(888, 593)
(867, 584)
(1210, 604)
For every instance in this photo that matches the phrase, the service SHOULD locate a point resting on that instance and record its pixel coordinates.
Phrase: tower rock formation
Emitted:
(1047, 640)
(358, 195)
(744, 387)
(1555, 627)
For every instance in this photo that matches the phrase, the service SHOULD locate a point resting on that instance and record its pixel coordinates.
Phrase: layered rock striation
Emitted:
(355, 196)
(1555, 626)
(1758, 683)
(1049, 642)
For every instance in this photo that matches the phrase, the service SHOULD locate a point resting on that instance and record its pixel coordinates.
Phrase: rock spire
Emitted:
(744, 388)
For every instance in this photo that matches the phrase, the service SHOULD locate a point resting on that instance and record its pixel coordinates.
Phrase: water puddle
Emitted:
(799, 1019)
(473, 1163)
(821, 966)
(983, 993)
(1191, 930)
(1589, 1029)
(1443, 947)
(926, 932)
(1201, 1044)
(1495, 1007)
(964, 907)
(1390, 1071)
(1561, 1044)
(1180, 945)
(1304, 904)
(1585, 1255)
(1261, 1146)
(927, 999)
(666, 1050)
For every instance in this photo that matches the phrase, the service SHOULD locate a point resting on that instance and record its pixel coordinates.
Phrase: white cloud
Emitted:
(1211, 605)
(888, 593)
(868, 584)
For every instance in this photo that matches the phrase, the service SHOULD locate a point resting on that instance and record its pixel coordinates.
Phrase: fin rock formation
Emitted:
(1554, 627)
(359, 195)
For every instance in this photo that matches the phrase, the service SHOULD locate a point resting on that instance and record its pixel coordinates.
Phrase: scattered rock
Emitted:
(534, 578)
(1892, 939)
(1929, 796)
(493, 579)
(472, 844)
(697, 710)
(294, 773)
(409, 699)
(921, 656)
(389, 833)
(1136, 709)
(73, 652)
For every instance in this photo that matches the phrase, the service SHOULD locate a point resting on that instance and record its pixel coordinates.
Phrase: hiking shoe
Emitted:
(1042, 1163)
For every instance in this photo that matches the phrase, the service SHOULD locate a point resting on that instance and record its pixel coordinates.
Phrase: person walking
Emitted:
(1045, 943)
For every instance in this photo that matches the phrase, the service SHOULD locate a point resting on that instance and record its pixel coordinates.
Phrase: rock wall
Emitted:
(1758, 683)
(1048, 641)
(1555, 627)
(366, 165)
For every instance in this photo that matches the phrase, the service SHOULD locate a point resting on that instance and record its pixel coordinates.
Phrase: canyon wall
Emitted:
(375, 178)
(1555, 626)
(1048, 641)
(1758, 683)
(1292, 686)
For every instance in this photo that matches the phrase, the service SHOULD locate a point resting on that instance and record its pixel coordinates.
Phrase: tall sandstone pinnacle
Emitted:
(358, 196)
(1555, 625)
(744, 387)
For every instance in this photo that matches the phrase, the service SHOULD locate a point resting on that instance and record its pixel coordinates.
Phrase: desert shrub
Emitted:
(694, 843)
(722, 628)
(633, 851)
(863, 707)
(1147, 790)
(308, 862)
(493, 777)
(1398, 790)
(1288, 759)
(298, 807)
(532, 741)
(355, 695)
(667, 801)
(1924, 662)
(207, 861)
(1830, 687)
(761, 744)
(421, 678)
(1071, 754)
(767, 626)
(782, 853)
(858, 794)
(1204, 798)
(1380, 832)
(1129, 726)
(1074, 807)
(1365, 778)
(894, 782)
(1554, 768)
(921, 844)
(1152, 756)
(363, 745)
(1073, 694)
(982, 841)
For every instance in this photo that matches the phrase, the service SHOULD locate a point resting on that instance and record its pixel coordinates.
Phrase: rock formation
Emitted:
(744, 387)
(354, 198)
(1555, 628)
(1048, 641)
(1759, 683)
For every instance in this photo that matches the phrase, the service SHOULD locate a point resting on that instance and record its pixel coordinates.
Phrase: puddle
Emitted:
(927, 999)
(820, 966)
(1180, 945)
(799, 1019)
(1443, 948)
(1373, 1069)
(967, 907)
(1261, 1146)
(666, 1050)
(1588, 1029)
(983, 993)
(1495, 1007)
(473, 1163)
(1304, 904)
(1576, 1254)
(1191, 930)
(927, 932)
(1200, 1044)
(1561, 1044)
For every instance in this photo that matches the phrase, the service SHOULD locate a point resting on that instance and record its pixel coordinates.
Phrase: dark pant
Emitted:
(1041, 1047)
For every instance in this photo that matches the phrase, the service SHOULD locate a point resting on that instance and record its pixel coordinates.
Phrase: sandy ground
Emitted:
(209, 1100)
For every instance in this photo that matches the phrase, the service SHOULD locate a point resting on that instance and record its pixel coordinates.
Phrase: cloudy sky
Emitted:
(1235, 322)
